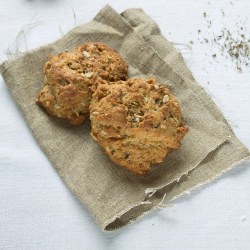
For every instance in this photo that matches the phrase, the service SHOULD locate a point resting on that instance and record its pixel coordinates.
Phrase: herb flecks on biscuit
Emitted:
(136, 122)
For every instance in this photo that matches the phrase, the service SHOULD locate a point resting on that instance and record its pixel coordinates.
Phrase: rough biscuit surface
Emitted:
(70, 78)
(137, 122)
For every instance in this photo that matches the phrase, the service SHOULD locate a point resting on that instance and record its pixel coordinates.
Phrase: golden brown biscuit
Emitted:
(70, 76)
(137, 122)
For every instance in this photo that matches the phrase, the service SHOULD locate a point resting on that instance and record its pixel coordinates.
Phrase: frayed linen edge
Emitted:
(150, 193)
(161, 203)
(224, 171)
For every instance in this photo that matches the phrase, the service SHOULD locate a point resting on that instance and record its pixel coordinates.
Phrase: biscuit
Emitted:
(137, 122)
(71, 77)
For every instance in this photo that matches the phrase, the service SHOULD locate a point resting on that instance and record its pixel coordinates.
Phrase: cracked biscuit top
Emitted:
(71, 76)
(137, 122)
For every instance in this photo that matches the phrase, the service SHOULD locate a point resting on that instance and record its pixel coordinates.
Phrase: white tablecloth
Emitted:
(36, 209)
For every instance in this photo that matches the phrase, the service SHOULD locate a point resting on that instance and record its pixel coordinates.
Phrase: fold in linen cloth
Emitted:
(114, 196)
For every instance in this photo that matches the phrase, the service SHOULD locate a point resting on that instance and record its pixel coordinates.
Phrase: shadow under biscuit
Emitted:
(83, 129)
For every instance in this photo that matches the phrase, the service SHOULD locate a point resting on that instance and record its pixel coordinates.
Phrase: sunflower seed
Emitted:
(88, 74)
(165, 98)
(85, 53)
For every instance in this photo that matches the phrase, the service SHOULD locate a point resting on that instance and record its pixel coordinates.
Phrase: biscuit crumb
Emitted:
(243, 218)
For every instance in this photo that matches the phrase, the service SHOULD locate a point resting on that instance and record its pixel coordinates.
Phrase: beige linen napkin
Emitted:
(114, 196)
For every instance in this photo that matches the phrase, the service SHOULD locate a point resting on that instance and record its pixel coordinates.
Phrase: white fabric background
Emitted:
(36, 209)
